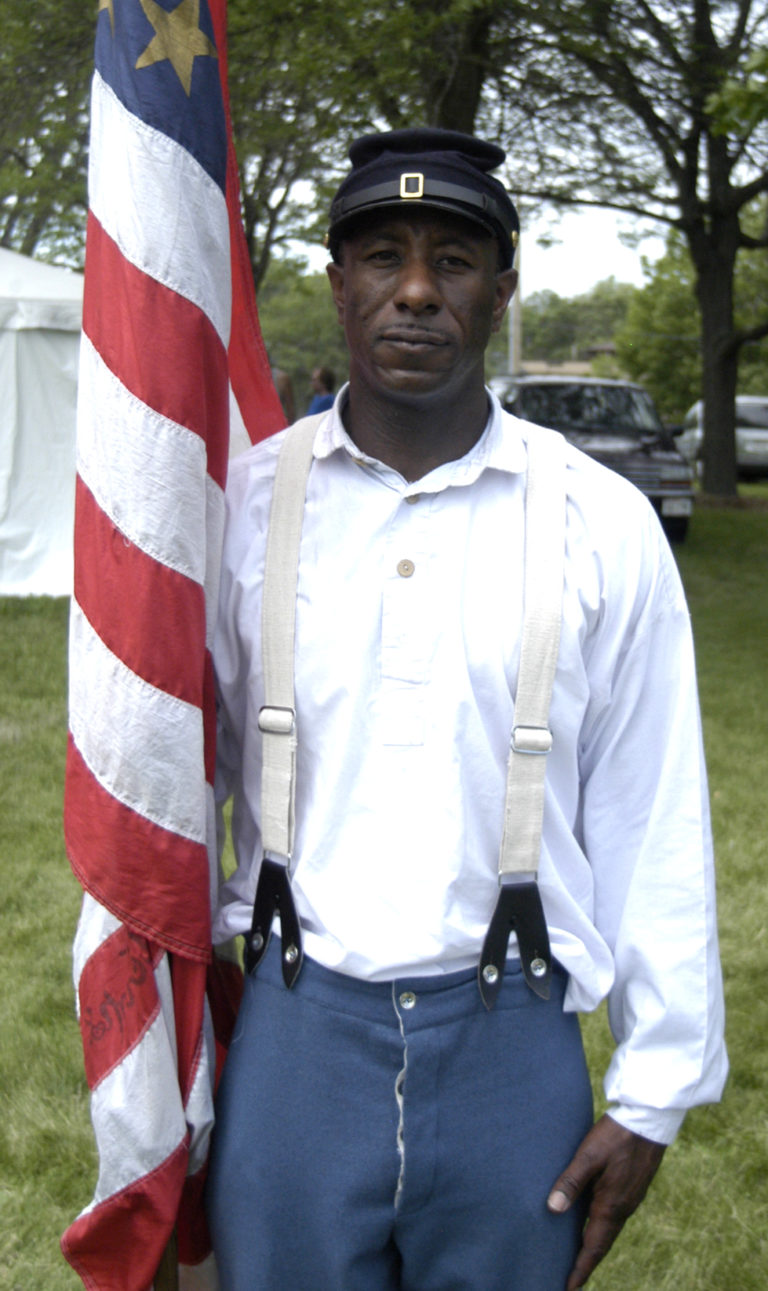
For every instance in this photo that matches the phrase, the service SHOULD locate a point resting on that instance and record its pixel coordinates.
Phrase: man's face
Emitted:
(419, 295)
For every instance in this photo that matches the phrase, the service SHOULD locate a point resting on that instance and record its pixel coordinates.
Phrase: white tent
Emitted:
(40, 316)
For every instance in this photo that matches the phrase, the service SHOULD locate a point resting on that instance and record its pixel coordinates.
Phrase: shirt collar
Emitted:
(500, 447)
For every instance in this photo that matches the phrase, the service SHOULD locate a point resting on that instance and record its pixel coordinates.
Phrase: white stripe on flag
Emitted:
(214, 538)
(133, 459)
(95, 926)
(160, 206)
(144, 747)
(138, 1104)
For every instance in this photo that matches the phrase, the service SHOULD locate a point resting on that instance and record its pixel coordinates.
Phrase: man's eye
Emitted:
(454, 262)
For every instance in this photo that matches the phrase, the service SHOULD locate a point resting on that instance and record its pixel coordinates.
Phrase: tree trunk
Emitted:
(167, 1276)
(457, 71)
(713, 244)
(719, 377)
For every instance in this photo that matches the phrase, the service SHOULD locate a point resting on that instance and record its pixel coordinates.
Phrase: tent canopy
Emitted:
(40, 318)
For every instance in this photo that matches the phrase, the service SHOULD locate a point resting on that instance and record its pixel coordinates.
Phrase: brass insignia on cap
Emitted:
(412, 185)
(514, 238)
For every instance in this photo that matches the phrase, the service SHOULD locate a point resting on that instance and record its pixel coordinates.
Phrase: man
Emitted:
(389, 1117)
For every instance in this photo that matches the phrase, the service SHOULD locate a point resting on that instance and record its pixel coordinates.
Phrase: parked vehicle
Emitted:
(751, 435)
(615, 422)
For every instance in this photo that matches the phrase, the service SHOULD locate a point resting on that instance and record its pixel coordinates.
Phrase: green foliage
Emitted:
(659, 343)
(741, 104)
(45, 70)
(556, 328)
(299, 325)
(650, 108)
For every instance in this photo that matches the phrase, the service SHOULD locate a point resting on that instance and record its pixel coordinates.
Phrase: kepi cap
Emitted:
(442, 169)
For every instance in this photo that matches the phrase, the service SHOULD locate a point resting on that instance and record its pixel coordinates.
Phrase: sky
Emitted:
(587, 251)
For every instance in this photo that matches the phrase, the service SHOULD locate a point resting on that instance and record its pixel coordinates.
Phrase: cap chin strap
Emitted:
(519, 907)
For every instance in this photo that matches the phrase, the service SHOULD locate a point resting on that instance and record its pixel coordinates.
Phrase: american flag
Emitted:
(170, 338)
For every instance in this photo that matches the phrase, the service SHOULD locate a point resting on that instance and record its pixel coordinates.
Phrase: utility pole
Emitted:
(515, 332)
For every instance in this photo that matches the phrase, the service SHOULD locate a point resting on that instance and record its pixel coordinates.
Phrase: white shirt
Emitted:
(409, 613)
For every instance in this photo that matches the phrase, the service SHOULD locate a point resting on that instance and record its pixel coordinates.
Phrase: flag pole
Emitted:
(167, 1276)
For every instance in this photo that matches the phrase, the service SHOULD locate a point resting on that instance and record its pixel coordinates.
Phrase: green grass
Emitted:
(704, 1225)
(47, 1162)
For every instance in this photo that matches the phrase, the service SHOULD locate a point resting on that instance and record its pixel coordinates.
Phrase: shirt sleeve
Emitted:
(648, 839)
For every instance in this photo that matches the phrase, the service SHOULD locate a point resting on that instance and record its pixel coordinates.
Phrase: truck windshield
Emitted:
(565, 405)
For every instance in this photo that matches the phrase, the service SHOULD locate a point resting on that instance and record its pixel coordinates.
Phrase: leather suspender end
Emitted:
(518, 910)
(274, 896)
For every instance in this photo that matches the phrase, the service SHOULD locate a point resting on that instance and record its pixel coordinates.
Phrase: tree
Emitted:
(299, 324)
(557, 328)
(660, 343)
(45, 69)
(633, 81)
(636, 105)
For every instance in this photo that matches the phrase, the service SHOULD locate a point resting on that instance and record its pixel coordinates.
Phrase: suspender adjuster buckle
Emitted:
(536, 740)
(277, 721)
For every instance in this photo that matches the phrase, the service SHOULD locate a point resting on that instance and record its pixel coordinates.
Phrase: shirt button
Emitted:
(407, 1000)
(405, 568)
(413, 498)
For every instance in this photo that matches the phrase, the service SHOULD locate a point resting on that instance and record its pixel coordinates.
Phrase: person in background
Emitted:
(323, 382)
(284, 388)
(405, 1105)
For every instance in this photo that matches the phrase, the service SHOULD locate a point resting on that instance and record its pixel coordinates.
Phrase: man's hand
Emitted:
(618, 1166)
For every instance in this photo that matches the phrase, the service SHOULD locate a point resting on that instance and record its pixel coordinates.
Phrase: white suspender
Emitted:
(531, 738)
(542, 613)
(277, 719)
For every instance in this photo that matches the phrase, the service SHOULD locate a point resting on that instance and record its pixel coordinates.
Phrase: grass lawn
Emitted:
(704, 1226)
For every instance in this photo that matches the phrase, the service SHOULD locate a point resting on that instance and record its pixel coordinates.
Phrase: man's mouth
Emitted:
(413, 337)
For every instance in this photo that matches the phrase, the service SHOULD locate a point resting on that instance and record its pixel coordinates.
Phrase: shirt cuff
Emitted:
(658, 1125)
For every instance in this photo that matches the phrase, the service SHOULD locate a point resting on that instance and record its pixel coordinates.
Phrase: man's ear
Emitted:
(336, 279)
(506, 282)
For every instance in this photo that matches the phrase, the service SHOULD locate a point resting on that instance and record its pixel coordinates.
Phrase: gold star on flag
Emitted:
(177, 38)
(107, 4)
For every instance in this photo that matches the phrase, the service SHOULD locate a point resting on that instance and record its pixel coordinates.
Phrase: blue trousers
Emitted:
(395, 1136)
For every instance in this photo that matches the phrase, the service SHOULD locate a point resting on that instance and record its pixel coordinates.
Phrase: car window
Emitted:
(581, 406)
(752, 414)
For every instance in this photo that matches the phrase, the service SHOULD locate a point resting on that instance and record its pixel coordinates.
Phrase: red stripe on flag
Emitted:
(191, 1227)
(117, 853)
(160, 346)
(118, 1000)
(117, 1245)
(250, 374)
(121, 591)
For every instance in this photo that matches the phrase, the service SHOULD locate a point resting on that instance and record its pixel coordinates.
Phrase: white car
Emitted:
(751, 435)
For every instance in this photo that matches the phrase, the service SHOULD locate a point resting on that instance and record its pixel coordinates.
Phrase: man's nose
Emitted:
(417, 287)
